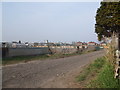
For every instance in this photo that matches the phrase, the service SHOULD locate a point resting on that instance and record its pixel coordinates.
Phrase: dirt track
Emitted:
(56, 73)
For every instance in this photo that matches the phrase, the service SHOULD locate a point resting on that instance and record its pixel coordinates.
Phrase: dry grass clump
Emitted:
(111, 50)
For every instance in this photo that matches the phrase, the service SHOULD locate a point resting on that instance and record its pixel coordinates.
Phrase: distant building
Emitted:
(5, 44)
(41, 44)
(92, 43)
(30, 44)
(82, 45)
(79, 43)
(104, 45)
(18, 45)
(36, 44)
(51, 44)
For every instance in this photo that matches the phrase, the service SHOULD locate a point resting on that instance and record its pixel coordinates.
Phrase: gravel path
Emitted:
(54, 73)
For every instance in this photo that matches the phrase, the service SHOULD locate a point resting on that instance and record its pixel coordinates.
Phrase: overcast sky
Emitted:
(53, 21)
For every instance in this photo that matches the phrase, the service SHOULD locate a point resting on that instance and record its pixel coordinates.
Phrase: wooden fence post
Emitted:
(117, 66)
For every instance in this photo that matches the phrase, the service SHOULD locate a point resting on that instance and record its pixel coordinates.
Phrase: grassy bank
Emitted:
(18, 59)
(99, 74)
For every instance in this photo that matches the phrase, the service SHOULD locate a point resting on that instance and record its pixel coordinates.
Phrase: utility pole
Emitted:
(119, 40)
(49, 47)
(117, 69)
(119, 57)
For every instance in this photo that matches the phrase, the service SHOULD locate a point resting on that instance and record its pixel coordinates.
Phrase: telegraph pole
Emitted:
(119, 57)
(117, 64)
(49, 47)
(119, 40)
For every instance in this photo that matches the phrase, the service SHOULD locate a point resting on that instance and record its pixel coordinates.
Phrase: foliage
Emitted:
(107, 19)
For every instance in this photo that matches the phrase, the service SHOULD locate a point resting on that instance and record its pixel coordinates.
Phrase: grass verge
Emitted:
(99, 74)
(18, 59)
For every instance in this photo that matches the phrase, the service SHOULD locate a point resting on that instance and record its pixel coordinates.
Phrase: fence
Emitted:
(9, 52)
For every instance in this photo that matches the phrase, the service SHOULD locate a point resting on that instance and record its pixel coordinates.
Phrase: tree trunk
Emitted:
(119, 41)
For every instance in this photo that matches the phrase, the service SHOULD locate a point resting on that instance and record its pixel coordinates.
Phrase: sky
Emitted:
(53, 21)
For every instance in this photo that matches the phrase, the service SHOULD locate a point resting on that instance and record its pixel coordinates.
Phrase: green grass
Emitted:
(60, 55)
(17, 59)
(99, 74)
(91, 69)
(105, 79)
